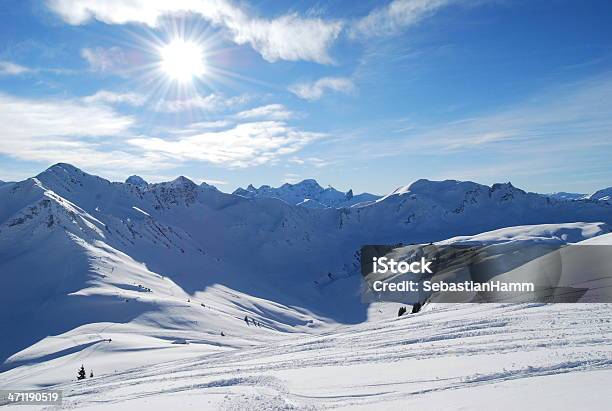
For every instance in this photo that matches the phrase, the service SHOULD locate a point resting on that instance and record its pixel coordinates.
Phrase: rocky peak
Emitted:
(137, 181)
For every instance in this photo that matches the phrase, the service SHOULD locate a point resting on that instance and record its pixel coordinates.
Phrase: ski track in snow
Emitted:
(447, 347)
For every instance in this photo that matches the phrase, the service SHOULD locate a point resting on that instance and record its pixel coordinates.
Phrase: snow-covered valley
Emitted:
(181, 295)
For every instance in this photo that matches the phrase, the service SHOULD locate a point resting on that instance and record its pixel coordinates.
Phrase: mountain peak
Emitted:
(183, 182)
(137, 181)
(206, 186)
(63, 168)
(309, 182)
(61, 176)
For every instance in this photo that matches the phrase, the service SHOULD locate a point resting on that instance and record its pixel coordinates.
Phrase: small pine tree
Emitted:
(91, 374)
(81, 374)
(401, 311)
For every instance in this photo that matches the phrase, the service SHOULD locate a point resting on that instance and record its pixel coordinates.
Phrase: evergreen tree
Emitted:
(401, 311)
(81, 374)
(91, 374)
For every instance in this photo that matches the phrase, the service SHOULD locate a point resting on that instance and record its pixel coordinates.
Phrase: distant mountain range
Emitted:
(600, 195)
(309, 193)
(562, 195)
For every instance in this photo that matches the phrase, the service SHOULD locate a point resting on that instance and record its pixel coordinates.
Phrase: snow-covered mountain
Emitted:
(308, 193)
(84, 260)
(562, 195)
(602, 195)
(137, 181)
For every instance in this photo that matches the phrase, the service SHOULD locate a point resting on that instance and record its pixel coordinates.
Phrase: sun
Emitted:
(182, 60)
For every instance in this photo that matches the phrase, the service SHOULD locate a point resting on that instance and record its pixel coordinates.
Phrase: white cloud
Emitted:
(243, 145)
(67, 131)
(288, 37)
(315, 90)
(210, 102)
(30, 119)
(193, 128)
(111, 97)
(291, 178)
(269, 112)
(394, 17)
(11, 69)
(105, 60)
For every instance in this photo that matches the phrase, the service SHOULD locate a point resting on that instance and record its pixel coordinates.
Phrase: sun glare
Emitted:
(182, 60)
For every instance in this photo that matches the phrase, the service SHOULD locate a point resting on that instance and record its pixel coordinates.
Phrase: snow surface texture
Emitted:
(139, 282)
(502, 357)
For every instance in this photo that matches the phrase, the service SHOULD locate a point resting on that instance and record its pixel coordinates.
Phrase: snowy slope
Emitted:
(604, 239)
(505, 357)
(308, 193)
(149, 267)
(561, 233)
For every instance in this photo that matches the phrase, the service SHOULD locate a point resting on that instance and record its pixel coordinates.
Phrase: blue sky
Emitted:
(364, 95)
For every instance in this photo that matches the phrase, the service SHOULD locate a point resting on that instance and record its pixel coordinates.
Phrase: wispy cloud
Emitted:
(310, 161)
(288, 37)
(291, 178)
(22, 118)
(8, 68)
(243, 145)
(395, 17)
(199, 126)
(105, 60)
(268, 112)
(111, 97)
(315, 90)
(55, 130)
(209, 102)
(568, 115)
